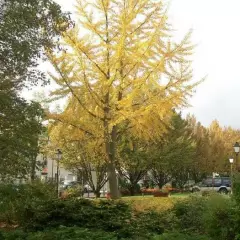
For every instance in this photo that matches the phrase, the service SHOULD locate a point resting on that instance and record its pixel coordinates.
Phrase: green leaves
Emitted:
(26, 28)
(133, 162)
(174, 154)
(20, 127)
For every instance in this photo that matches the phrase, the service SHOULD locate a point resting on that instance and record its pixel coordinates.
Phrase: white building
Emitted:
(49, 172)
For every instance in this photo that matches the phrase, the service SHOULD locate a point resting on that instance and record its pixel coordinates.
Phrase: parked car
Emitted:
(74, 184)
(219, 184)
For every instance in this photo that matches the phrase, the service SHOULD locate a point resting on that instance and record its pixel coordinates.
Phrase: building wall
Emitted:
(50, 171)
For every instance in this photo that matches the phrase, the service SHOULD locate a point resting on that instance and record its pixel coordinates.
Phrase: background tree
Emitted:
(134, 161)
(85, 158)
(126, 70)
(174, 155)
(217, 149)
(89, 166)
(230, 136)
(202, 156)
(20, 127)
(214, 146)
(26, 28)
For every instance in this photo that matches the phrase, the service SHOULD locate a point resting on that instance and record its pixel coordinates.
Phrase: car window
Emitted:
(226, 182)
(217, 182)
(207, 182)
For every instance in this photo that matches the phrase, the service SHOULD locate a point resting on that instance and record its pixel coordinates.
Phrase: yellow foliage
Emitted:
(145, 203)
(121, 67)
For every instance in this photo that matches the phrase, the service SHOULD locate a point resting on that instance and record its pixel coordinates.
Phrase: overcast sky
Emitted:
(217, 33)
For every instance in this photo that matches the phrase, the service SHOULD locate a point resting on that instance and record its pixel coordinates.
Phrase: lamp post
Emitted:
(59, 156)
(231, 160)
(236, 148)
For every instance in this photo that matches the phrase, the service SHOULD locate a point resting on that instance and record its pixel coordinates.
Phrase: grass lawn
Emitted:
(148, 202)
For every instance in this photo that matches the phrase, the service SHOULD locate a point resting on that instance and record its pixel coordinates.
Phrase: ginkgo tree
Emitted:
(121, 70)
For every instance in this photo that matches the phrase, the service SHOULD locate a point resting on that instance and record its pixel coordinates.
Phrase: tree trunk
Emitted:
(113, 184)
(110, 146)
(160, 179)
(132, 190)
(97, 193)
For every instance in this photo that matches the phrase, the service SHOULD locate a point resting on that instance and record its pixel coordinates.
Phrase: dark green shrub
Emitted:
(155, 222)
(143, 225)
(110, 216)
(13, 235)
(217, 215)
(127, 188)
(179, 236)
(189, 213)
(62, 233)
(8, 200)
(105, 215)
(220, 218)
(146, 224)
(236, 187)
(14, 198)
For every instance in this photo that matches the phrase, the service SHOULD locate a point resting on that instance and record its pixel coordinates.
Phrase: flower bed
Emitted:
(149, 191)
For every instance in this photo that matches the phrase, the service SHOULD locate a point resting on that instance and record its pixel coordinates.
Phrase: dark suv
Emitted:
(218, 184)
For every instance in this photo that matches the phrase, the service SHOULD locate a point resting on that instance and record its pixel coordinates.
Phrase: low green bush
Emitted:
(128, 189)
(216, 215)
(109, 216)
(179, 236)
(14, 198)
(189, 213)
(142, 226)
(221, 218)
(236, 187)
(37, 210)
(61, 233)
(105, 215)
(75, 233)
(154, 222)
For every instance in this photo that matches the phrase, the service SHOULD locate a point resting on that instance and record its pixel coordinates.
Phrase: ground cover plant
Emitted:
(37, 214)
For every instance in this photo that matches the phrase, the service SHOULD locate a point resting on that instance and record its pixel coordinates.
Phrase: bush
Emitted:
(60, 234)
(154, 222)
(220, 218)
(105, 215)
(128, 189)
(110, 216)
(236, 187)
(73, 192)
(14, 198)
(217, 215)
(179, 236)
(189, 213)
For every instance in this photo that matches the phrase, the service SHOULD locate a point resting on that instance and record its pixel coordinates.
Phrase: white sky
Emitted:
(217, 33)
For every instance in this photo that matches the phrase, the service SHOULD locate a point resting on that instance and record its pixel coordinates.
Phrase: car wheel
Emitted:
(223, 191)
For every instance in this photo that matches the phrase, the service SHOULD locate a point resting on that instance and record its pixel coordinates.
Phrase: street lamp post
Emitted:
(59, 156)
(236, 150)
(231, 160)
